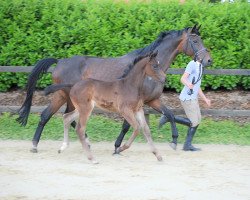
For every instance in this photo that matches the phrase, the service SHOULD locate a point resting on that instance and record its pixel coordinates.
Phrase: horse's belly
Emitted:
(106, 105)
(151, 89)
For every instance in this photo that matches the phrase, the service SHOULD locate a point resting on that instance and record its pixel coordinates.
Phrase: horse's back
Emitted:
(72, 70)
(69, 70)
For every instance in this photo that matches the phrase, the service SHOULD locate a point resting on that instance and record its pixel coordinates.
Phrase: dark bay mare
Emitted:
(71, 70)
(123, 96)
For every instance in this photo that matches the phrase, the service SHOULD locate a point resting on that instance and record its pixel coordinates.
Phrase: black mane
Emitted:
(151, 47)
(131, 65)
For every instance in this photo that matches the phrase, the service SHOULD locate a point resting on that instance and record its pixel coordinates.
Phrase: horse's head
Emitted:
(193, 46)
(153, 68)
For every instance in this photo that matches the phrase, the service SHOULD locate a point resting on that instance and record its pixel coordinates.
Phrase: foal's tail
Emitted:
(41, 67)
(56, 87)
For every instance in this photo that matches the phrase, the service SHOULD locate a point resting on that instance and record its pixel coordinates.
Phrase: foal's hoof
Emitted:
(33, 150)
(159, 158)
(59, 151)
(95, 162)
(173, 145)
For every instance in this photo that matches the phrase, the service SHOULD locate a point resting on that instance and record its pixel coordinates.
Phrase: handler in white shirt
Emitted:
(191, 79)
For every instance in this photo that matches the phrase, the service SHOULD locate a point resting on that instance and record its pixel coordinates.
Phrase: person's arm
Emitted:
(185, 81)
(204, 98)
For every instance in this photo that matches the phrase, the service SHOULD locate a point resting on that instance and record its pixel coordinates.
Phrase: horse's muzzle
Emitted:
(207, 63)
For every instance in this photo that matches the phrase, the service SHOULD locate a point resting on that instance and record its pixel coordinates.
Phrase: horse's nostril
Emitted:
(210, 61)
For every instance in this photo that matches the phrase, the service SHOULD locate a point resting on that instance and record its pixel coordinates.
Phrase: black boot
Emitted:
(188, 143)
(177, 119)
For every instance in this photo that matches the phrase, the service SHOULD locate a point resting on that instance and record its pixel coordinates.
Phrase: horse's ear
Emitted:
(193, 29)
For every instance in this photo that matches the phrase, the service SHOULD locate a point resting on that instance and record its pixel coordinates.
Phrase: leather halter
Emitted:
(195, 50)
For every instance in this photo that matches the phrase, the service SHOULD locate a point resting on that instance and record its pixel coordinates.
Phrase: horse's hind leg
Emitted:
(57, 101)
(125, 128)
(68, 118)
(146, 132)
(158, 106)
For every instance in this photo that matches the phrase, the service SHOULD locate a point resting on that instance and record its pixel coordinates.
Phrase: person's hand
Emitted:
(190, 86)
(208, 102)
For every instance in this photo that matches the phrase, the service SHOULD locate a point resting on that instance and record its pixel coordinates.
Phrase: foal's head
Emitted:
(193, 46)
(153, 68)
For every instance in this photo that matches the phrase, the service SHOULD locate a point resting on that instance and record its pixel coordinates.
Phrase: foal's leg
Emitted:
(130, 118)
(68, 118)
(125, 128)
(57, 101)
(71, 108)
(85, 112)
(146, 131)
(158, 106)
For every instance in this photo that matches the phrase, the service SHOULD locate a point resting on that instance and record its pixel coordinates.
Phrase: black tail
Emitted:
(55, 87)
(41, 67)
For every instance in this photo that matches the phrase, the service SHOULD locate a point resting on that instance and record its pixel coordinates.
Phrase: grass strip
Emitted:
(101, 128)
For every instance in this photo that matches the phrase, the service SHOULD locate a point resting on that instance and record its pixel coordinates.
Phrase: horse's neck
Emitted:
(167, 52)
(136, 75)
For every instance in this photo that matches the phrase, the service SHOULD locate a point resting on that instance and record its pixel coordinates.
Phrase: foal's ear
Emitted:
(153, 54)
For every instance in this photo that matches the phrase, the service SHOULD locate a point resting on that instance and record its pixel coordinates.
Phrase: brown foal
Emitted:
(123, 96)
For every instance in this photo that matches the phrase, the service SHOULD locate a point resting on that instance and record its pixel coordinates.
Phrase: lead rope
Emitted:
(191, 91)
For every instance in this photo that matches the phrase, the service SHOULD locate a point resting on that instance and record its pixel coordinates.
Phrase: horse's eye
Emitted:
(155, 66)
(195, 41)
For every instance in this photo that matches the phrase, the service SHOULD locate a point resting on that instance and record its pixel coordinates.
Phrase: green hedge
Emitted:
(36, 29)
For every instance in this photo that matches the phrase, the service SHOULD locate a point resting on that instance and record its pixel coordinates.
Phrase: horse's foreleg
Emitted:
(146, 132)
(158, 106)
(53, 107)
(125, 128)
(68, 118)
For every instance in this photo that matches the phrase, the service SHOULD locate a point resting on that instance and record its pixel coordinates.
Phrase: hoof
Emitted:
(117, 151)
(173, 145)
(95, 162)
(159, 158)
(33, 150)
(191, 149)
(59, 151)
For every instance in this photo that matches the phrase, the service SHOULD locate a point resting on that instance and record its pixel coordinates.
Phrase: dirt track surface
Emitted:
(217, 172)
